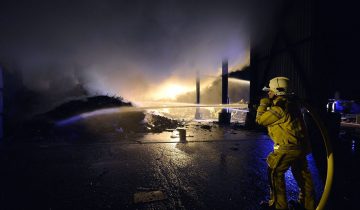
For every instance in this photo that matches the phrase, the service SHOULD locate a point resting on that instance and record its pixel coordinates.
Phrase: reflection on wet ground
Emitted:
(347, 183)
(218, 168)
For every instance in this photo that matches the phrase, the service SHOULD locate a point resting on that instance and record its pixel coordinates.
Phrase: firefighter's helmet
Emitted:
(279, 85)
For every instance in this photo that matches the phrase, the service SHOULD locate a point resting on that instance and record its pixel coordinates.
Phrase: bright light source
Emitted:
(171, 91)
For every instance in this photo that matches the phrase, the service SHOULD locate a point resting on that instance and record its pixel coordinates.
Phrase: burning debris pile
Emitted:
(73, 119)
(157, 123)
(88, 104)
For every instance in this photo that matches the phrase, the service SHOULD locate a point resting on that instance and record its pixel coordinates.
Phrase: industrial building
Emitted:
(122, 160)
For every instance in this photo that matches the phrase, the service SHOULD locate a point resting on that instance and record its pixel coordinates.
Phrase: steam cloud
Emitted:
(120, 47)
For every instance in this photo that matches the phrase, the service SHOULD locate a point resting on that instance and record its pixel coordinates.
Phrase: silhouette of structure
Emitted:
(224, 115)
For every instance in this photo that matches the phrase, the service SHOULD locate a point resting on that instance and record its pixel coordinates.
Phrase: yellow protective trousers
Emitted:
(279, 162)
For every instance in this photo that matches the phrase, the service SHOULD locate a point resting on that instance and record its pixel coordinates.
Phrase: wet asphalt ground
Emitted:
(218, 168)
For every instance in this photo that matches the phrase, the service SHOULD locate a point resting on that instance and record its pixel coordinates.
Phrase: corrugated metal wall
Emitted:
(288, 49)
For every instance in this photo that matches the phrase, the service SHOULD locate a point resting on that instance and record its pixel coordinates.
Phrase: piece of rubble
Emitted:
(119, 130)
(207, 127)
(149, 196)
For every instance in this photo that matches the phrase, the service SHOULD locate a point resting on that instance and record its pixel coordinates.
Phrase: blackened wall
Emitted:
(338, 34)
(314, 43)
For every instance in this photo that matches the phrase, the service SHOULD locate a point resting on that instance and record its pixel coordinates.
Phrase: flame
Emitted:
(171, 91)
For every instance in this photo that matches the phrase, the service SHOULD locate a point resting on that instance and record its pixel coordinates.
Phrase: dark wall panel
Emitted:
(290, 52)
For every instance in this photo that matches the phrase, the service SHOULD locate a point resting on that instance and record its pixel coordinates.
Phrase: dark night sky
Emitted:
(113, 45)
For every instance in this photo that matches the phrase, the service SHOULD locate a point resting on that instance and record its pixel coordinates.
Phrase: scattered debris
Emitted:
(147, 189)
(149, 196)
(119, 130)
(160, 123)
(175, 134)
(206, 127)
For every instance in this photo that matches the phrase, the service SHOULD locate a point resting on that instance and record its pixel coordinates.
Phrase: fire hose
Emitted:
(329, 153)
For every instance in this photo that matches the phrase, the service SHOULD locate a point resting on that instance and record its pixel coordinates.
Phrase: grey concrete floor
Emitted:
(218, 168)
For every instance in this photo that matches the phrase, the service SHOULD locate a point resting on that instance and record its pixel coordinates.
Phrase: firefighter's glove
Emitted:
(264, 104)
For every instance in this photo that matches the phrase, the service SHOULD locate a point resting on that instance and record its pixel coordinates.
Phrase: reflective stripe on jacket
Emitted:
(284, 122)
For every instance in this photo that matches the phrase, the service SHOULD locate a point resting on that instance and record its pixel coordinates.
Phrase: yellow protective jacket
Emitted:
(283, 120)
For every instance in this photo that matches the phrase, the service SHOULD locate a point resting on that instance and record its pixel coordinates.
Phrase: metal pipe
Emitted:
(224, 115)
(197, 113)
(197, 87)
(224, 76)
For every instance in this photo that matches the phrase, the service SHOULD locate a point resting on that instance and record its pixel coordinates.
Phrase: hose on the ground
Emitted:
(329, 153)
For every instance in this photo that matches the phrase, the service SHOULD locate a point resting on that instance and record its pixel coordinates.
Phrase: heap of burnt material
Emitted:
(117, 124)
(157, 123)
(44, 125)
(88, 104)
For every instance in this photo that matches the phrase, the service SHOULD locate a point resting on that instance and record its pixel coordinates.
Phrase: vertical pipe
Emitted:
(224, 115)
(224, 81)
(197, 114)
(197, 87)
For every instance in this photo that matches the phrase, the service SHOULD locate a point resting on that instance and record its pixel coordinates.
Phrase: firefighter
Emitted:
(283, 119)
